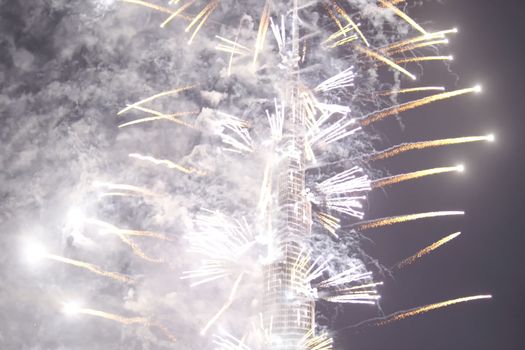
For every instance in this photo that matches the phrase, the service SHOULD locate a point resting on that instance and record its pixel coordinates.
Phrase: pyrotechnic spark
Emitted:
(386, 61)
(149, 5)
(424, 309)
(71, 308)
(404, 218)
(167, 163)
(338, 81)
(226, 306)
(261, 34)
(226, 341)
(169, 117)
(427, 250)
(413, 47)
(316, 342)
(203, 17)
(90, 267)
(154, 97)
(396, 150)
(424, 59)
(418, 39)
(330, 223)
(178, 12)
(403, 15)
(409, 90)
(415, 175)
(377, 116)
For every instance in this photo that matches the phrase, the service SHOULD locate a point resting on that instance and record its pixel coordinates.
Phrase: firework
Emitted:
(427, 250)
(308, 113)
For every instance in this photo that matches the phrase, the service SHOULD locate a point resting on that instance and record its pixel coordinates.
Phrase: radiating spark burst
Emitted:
(424, 309)
(406, 147)
(377, 116)
(226, 341)
(338, 81)
(167, 163)
(387, 61)
(72, 308)
(222, 241)
(404, 218)
(415, 175)
(316, 342)
(154, 97)
(329, 222)
(427, 250)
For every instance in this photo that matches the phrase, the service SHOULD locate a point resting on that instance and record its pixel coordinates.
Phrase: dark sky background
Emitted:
(487, 258)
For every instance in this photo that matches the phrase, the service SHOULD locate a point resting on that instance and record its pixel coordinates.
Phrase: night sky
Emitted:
(485, 259)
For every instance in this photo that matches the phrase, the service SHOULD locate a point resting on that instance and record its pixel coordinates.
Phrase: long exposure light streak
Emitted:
(403, 15)
(387, 61)
(203, 17)
(374, 117)
(409, 90)
(427, 250)
(154, 97)
(72, 308)
(424, 309)
(406, 147)
(415, 175)
(164, 162)
(404, 218)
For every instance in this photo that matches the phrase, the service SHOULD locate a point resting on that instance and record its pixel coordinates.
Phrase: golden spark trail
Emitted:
(351, 22)
(391, 180)
(329, 222)
(149, 5)
(261, 33)
(427, 308)
(331, 14)
(372, 118)
(429, 36)
(403, 15)
(406, 147)
(90, 267)
(418, 46)
(409, 90)
(344, 41)
(385, 60)
(167, 163)
(144, 321)
(168, 117)
(151, 98)
(226, 306)
(424, 59)
(203, 16)
(427, 250)
(404, 218)
(137, 250)
(176, 13)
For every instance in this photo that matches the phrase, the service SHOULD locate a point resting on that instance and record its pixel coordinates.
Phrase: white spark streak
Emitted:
(338, 81)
